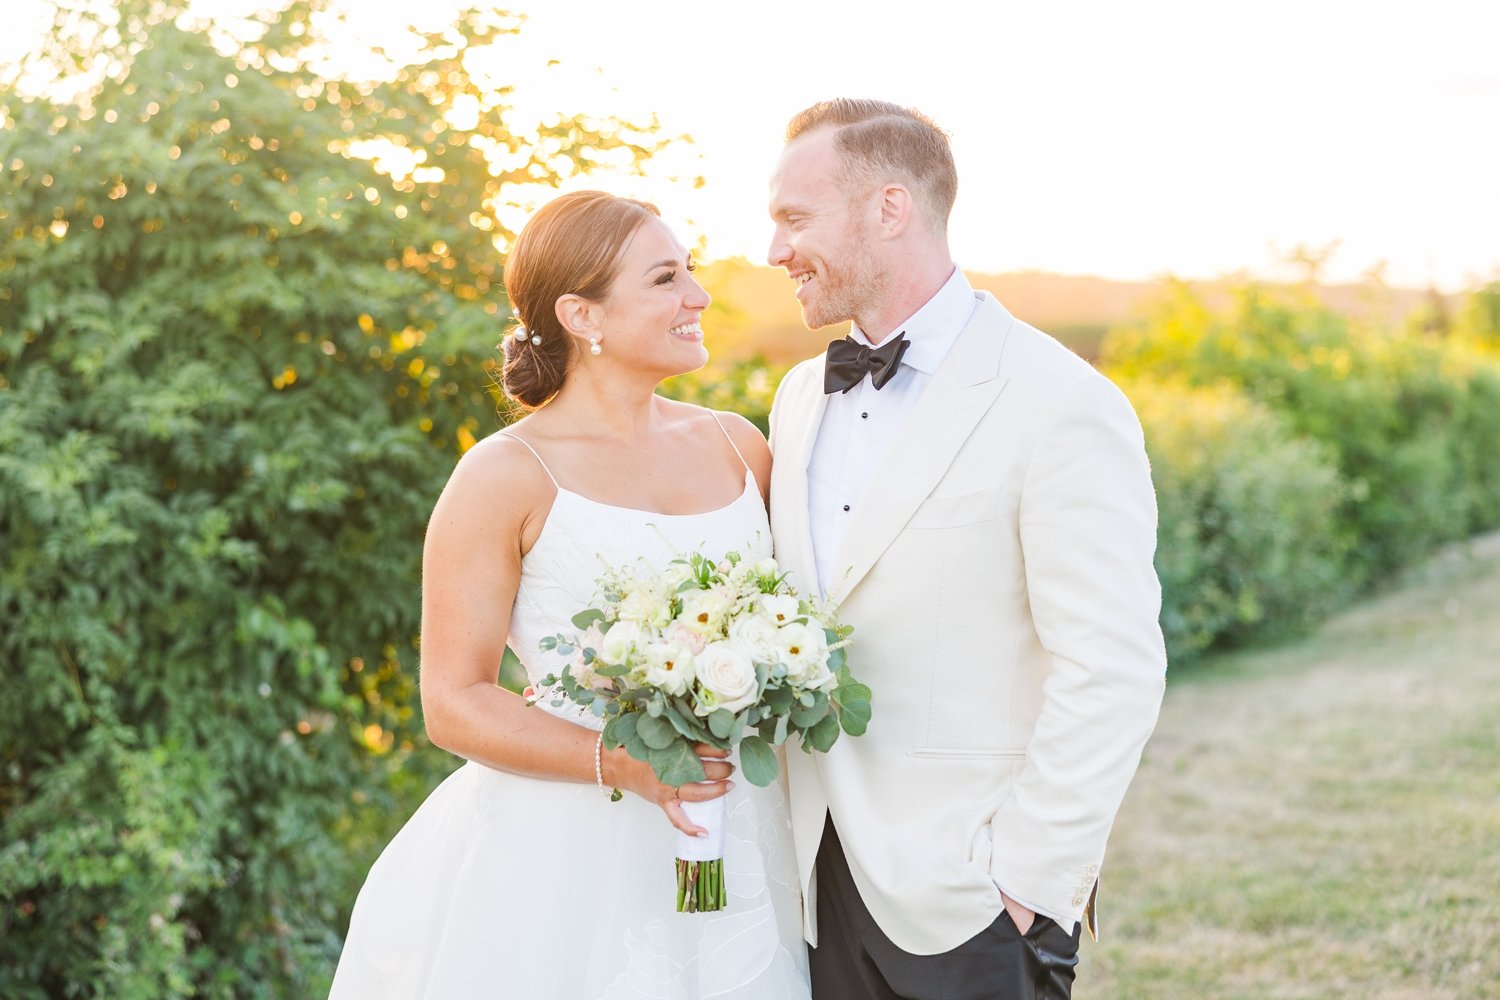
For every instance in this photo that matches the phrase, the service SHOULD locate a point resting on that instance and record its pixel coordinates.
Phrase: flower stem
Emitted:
(700, 886)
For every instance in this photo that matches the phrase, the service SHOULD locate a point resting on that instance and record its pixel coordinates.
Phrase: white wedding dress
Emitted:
(505, 887)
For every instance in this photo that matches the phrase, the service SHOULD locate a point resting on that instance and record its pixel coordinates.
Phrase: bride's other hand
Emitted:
(636, 776)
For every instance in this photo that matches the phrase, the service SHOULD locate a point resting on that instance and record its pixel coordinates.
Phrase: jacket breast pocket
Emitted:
(956, 511)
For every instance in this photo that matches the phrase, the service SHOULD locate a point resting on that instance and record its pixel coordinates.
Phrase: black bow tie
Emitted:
(849, 361)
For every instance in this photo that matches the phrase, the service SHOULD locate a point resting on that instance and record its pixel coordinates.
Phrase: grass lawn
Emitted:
(1322, 819)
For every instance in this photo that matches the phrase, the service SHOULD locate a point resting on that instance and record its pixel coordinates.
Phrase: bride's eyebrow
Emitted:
(663, 263)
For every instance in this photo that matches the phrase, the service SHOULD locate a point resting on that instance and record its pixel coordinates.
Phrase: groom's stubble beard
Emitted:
(850, 281)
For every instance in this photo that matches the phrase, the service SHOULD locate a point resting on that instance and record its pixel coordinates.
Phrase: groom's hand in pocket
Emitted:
(636, 776)
(1019, 915)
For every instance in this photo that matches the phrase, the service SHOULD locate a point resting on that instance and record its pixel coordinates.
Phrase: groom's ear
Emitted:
(578, 315)
(896, 208)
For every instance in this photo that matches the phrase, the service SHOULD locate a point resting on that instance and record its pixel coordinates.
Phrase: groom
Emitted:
(977, 500)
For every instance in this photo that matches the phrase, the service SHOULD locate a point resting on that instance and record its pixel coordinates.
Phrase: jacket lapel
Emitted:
(789, 490)
(963, 388)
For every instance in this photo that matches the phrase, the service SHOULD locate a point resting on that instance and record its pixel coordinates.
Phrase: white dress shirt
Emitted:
(858, 426)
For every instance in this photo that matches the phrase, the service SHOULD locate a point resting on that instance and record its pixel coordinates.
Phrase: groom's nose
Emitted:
(779, 254)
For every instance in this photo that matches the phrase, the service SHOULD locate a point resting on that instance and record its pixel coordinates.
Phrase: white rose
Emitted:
(620, 642)
(768, 568)
(757, 634)
(781, 610)
(726, 678)
(704, 611)
(669, 666)
(804, 650)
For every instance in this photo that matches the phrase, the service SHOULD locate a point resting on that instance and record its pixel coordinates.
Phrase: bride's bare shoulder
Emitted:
(501, 473)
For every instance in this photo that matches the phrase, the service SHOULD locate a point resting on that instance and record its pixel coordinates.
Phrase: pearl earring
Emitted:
(594, 347)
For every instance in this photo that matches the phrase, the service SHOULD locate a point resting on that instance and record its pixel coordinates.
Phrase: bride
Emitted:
(518, 877)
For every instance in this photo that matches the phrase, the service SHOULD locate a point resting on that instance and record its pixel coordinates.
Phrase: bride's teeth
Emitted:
(685, 329)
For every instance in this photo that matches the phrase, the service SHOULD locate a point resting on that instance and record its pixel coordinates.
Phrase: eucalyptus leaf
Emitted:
(676, 764)
(657, 732)
(854, 716)
(680, 715)
(620, 728)
(805, 716)
(584, 619)
(824, 735)
(758, 761)
(721, 723)
(779, 700)
(853, 691)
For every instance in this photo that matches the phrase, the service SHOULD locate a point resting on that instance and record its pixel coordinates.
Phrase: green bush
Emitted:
(236, 366)
(1405, 416)
(1250, 540)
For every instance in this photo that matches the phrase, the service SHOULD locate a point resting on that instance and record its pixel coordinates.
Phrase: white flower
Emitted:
(678, 632)
(744, 575)
(677, 574)
(621, 641)
(726, 678)
(756, 632)
(669, 666)
(804, 650)
(782, 610)
(646, 604)
(767, 568)
(704, 611)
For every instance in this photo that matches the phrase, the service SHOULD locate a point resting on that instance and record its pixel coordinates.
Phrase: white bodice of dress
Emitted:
(582, 538)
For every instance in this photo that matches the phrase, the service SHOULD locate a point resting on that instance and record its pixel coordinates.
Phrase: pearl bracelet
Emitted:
(614, 794)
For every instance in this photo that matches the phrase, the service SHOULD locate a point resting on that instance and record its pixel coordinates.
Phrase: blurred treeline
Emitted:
(237, 363)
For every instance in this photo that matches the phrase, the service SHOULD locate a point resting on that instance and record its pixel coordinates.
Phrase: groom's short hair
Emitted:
(881, 141)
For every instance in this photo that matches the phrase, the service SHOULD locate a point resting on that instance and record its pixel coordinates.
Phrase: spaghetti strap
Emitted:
(731, 441)
(522, 442)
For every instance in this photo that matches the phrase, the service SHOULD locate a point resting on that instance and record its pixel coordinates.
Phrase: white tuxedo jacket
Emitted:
(999, 578)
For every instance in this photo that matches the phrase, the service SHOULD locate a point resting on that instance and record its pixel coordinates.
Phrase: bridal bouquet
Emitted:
(723, 653)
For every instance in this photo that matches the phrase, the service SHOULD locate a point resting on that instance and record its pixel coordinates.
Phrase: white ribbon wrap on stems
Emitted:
(711, 816)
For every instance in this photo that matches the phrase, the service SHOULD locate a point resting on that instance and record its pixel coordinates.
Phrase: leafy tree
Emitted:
(237, 362)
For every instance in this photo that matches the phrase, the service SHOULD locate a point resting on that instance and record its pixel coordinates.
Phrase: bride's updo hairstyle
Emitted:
(572, 245)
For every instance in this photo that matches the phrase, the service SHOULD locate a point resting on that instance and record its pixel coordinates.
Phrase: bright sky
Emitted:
(1126, 140)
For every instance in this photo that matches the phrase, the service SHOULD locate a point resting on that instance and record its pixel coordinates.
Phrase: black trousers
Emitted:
(854, 960)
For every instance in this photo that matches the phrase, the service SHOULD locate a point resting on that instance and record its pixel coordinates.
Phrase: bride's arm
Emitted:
(490, 512)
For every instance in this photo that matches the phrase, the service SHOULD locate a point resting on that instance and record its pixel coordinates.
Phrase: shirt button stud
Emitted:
(846, 507)
(864, 416)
